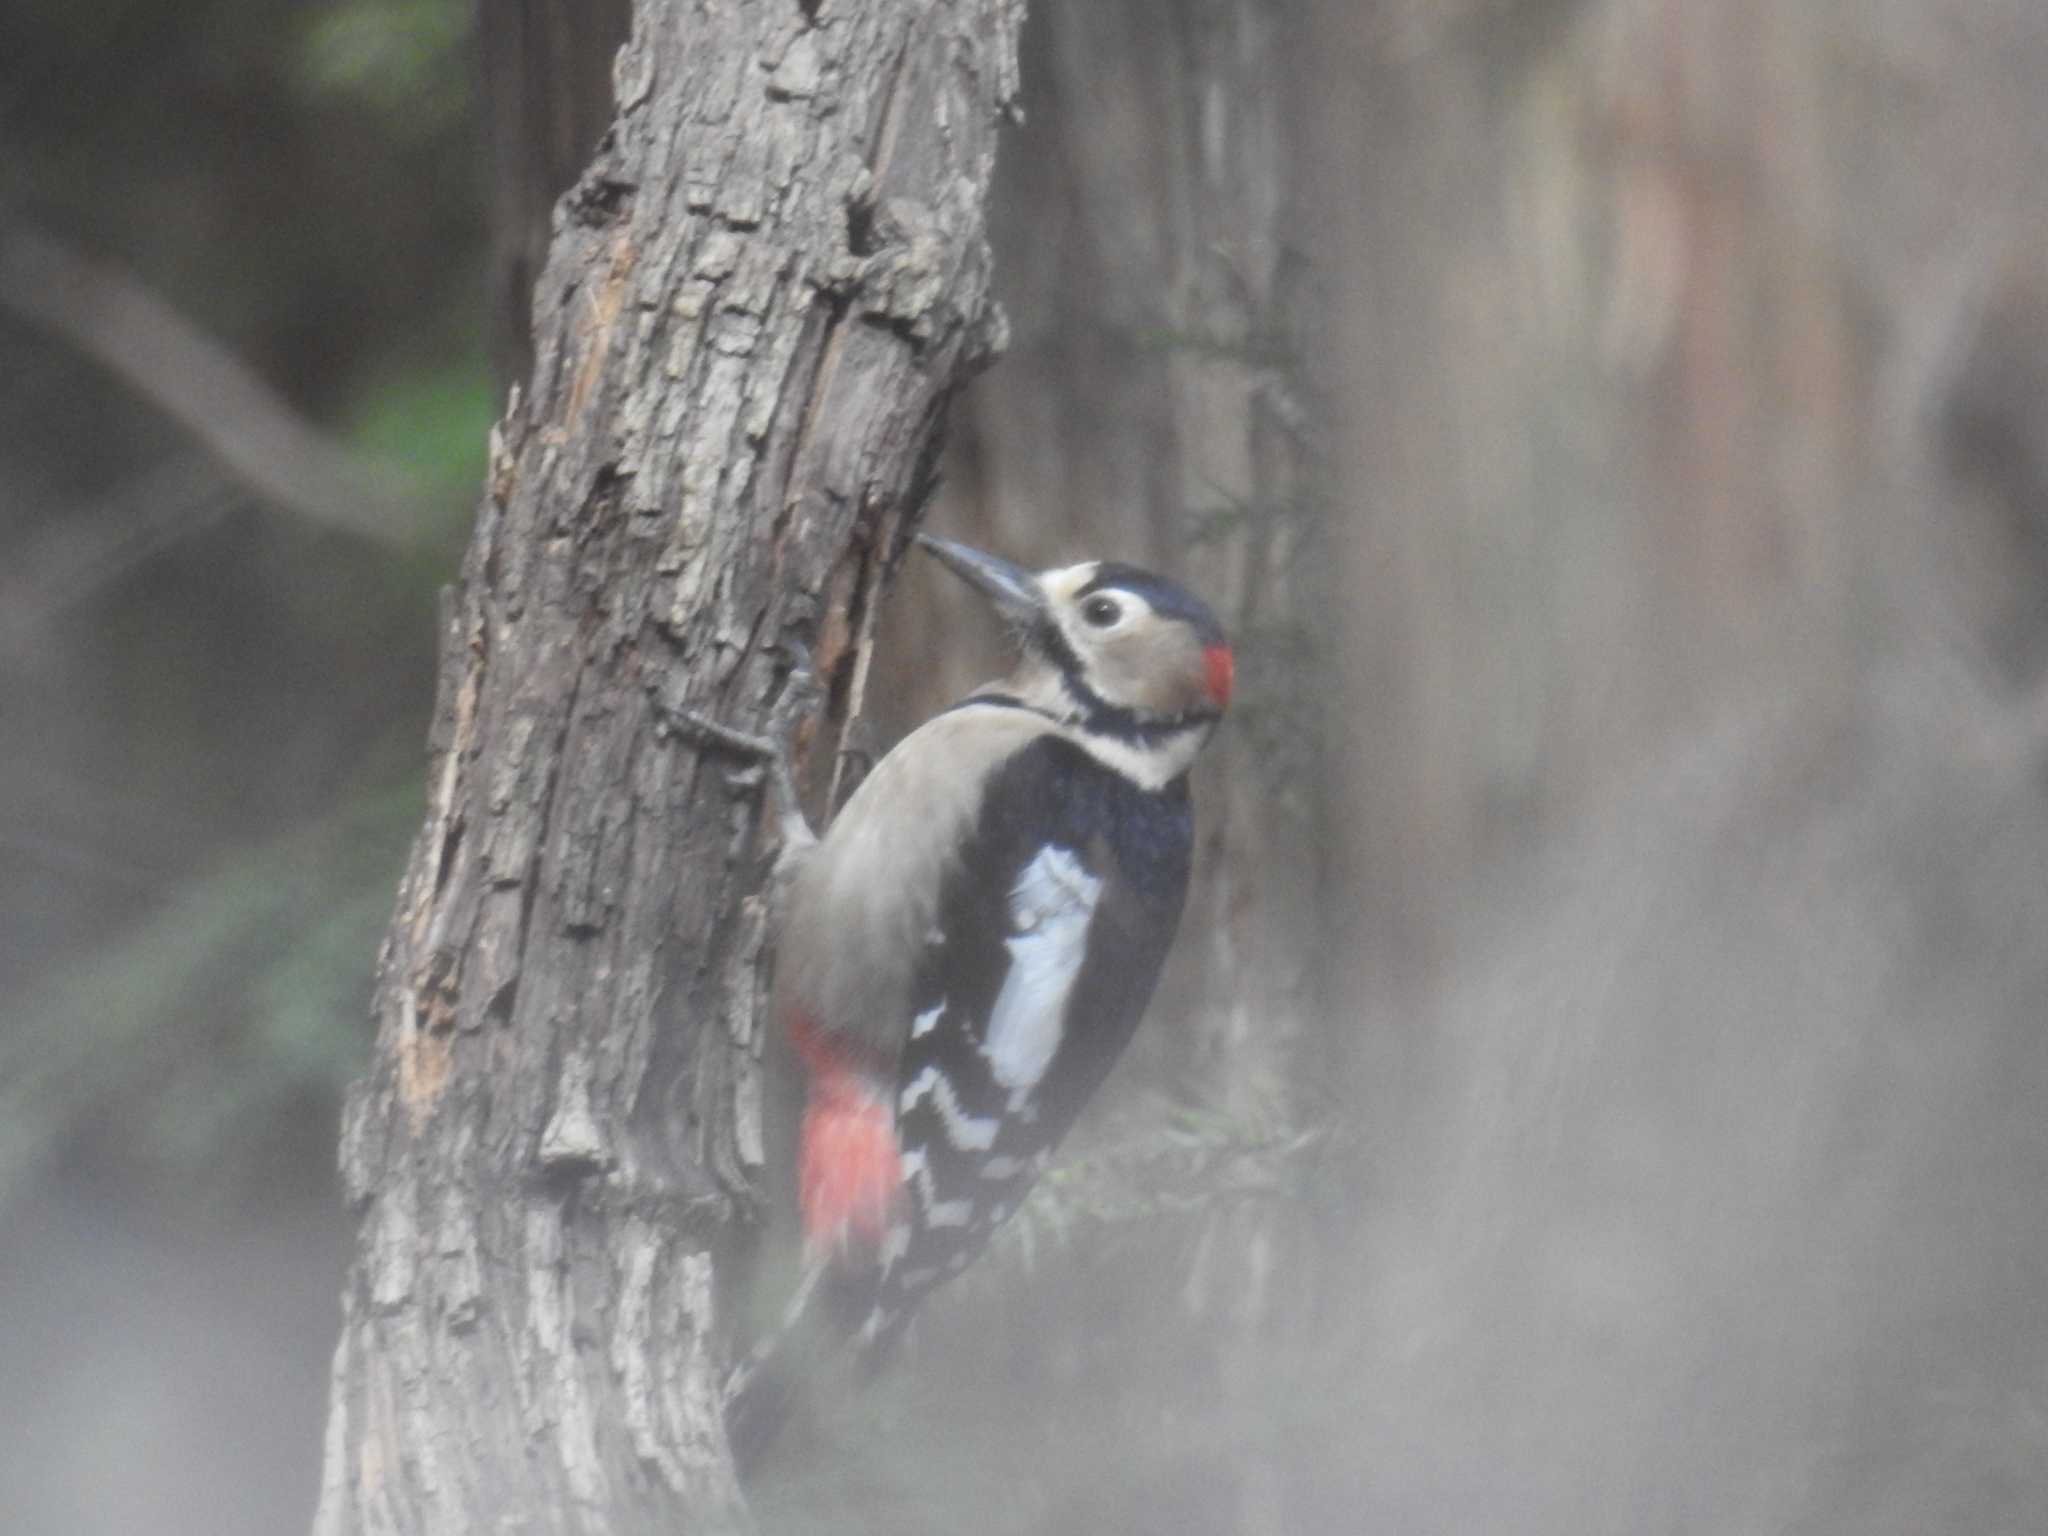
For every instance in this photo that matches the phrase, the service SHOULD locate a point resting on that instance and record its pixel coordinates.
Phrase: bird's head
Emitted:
(1109, 646)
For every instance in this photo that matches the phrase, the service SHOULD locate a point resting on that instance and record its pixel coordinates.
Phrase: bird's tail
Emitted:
(850, 1190)
(757, 1407)
(833, 1313)
(764, 1387)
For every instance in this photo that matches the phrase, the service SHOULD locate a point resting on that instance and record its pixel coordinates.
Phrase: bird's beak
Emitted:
(1014, 590)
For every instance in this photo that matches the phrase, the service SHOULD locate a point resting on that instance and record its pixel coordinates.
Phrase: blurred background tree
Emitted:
(213, 700)
(1600, 1084)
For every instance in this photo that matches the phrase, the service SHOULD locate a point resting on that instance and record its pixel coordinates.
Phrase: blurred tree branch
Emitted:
(110, 315)
(73, 556)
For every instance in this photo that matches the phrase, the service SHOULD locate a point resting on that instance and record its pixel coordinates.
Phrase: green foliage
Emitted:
(404, 58)
(434, 418)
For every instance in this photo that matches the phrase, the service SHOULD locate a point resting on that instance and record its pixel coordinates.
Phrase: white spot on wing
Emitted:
(923, 1024)
(895, 1244)
(917, 1174)
(967, 1132)
(949, 1213)
(1050, 908)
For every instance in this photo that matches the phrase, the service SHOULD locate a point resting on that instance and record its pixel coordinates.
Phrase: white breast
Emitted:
(1050, 908)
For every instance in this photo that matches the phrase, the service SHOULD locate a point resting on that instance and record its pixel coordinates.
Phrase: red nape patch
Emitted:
(1222, 673)
(849, 1172)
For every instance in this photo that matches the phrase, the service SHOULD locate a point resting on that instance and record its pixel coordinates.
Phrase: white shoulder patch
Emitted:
(1050, 908)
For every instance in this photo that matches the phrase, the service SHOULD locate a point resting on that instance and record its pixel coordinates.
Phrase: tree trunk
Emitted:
(760, 299)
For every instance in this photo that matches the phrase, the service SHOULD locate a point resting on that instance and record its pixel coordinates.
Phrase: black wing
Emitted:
(1052, 928)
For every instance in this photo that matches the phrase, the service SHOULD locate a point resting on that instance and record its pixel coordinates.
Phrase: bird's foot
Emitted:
(769, 752)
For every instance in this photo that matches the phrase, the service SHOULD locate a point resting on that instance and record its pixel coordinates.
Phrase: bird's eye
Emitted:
(1101, 611)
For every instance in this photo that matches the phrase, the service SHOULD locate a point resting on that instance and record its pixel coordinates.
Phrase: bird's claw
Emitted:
(768, 752)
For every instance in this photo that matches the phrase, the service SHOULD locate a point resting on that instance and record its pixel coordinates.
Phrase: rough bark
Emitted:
(759, 300)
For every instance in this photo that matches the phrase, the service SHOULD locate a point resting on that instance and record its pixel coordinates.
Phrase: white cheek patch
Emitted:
(1050, 909)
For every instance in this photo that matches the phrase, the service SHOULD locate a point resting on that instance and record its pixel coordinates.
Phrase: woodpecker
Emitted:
(970, 945)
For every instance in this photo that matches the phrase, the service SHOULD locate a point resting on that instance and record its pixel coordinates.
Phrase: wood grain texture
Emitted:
(759, 301)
